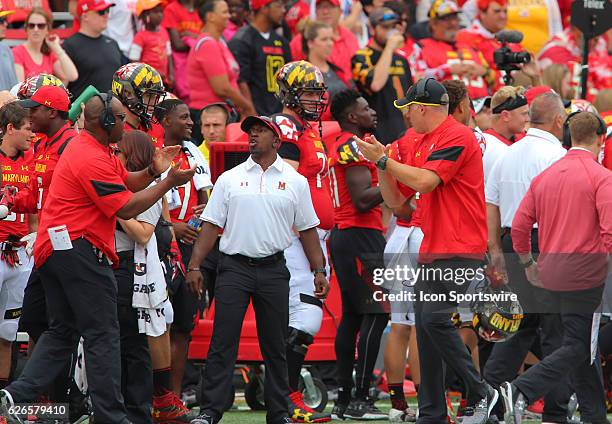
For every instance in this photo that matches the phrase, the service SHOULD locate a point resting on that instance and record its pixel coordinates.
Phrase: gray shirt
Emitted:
(8, 77)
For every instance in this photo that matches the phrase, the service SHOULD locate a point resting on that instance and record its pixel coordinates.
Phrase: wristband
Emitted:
(382, 163)
(321, 270)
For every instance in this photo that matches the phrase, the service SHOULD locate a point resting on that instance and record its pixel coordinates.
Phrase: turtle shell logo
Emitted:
(140, 269)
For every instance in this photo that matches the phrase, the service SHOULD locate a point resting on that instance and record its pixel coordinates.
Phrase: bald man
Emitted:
(90, 189)
(505, 187)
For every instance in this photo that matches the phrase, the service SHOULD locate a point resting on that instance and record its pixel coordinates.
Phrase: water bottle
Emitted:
(195, 222)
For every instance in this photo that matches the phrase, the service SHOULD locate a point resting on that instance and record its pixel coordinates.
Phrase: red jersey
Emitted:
(345, 154)
(156, 132)
(436, 57)
(87, 190)
(176, 16)
(187, 193)
(153, 48)
(455, 222)
(47, 151)
(402, 150)
(16, 172)
(304, 145)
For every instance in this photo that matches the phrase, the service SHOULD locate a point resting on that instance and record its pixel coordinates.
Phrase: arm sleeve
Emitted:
(363, 71)
(104, 183)
(289, 150)
(603, 202)
(305, 215)
(523, 222)
(243, 54)
(216, 209)
(448, 157)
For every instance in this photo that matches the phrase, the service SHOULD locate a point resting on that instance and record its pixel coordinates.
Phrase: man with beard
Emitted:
(381, 72)
(261, 52)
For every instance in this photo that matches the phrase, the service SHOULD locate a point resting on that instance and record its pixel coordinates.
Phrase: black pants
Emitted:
(572, 358)
(136, 368)
(81, 296)
(439, 342)
(537, 328)
(34, 312)
(268, 287)
(355, 254)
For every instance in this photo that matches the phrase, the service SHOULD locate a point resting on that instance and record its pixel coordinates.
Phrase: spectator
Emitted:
(42, 52)
(261, 52)
(183, 23)
(295, 16)
(95, 56)
(122, 24)
(152, 45)
(8, 77)
(557, 76)
(239, 12)
(212, 70)
(566, 49)
(214, 118)
(345, 42)
(318, 39)
(382, 73)
(410, 47)
(441, 58)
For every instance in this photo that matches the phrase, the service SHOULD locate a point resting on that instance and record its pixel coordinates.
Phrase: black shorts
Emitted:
(355, 254)
(34, 312)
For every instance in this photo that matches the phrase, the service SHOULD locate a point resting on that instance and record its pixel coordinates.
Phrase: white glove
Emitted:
(29, 239)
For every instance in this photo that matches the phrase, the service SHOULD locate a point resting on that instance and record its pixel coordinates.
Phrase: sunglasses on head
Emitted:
(36, 26)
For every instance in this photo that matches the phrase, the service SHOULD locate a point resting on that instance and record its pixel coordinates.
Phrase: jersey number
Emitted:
(334, 188)
(273, 64)
(323, 158)
(12, 217)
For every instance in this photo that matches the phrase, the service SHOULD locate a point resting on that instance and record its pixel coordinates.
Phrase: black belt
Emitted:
(267, 260)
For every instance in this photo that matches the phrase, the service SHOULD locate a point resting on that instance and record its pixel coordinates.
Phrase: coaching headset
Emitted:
(567, 138)
(107, 119)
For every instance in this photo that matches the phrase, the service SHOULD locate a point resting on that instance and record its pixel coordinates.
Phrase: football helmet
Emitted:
(140, 88)
(300, 78)
(30, 85)
(497, 321)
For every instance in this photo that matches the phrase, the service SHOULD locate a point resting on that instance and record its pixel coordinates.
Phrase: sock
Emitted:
(4, 382)
(398, 400)
(295, 361)
(344, 395)
(161, 381)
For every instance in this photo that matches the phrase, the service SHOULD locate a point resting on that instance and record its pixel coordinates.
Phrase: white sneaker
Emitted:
(398, 416)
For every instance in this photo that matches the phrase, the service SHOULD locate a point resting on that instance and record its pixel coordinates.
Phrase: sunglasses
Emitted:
(3, 21)
(104, 12)
(36, 26)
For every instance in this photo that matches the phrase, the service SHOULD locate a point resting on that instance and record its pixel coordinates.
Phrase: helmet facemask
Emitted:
(314, 105)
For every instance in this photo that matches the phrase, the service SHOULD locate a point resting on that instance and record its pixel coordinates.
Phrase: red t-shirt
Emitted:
(176, 16)
(155, 49)
(311, 154)
(345, 154)
(16, 172)
(31, 68)
(455, 221)
(402, 150)
(47, 151)
(187, 193)
(87, 190)
(209, 58)
(345, 46)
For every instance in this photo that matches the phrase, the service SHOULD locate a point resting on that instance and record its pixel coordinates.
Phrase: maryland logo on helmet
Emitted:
(296, 78)
(30, 85)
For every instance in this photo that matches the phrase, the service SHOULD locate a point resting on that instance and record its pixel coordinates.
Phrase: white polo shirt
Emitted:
(494, 149)
(258, 209)
(512, 174)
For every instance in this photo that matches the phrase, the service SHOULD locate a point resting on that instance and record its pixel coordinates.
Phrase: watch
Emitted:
(528, 263)
(321, 270)
(382, 163)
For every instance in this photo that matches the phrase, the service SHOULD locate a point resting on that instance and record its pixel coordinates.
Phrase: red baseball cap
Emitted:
(260, 120)
(335, 3)
(95, 5)
(258, 4)
(534, 92)
(52, 96)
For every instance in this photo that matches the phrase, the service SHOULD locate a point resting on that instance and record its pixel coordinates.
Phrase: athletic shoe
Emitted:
(408, 415)
(300, 413)
(514, 403)
(480, 412)
(6, 401)
(338, 411)
(168, 409)
(364, 409)
(203, 419)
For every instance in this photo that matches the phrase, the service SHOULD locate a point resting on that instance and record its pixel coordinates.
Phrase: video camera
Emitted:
(505, 59)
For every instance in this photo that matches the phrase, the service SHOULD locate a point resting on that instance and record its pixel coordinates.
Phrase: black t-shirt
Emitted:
(96, 59)
(259, 59)
(390, 119)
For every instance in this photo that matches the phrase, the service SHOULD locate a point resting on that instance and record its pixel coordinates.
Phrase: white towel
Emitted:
(201, 179)
(150, 291)
(80, 374)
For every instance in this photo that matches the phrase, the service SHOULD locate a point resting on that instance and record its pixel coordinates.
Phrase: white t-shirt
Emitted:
(123, 242)
(121, 22)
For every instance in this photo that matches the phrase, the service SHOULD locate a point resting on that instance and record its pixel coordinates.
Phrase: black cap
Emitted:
(427, 91)
(248, 123)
